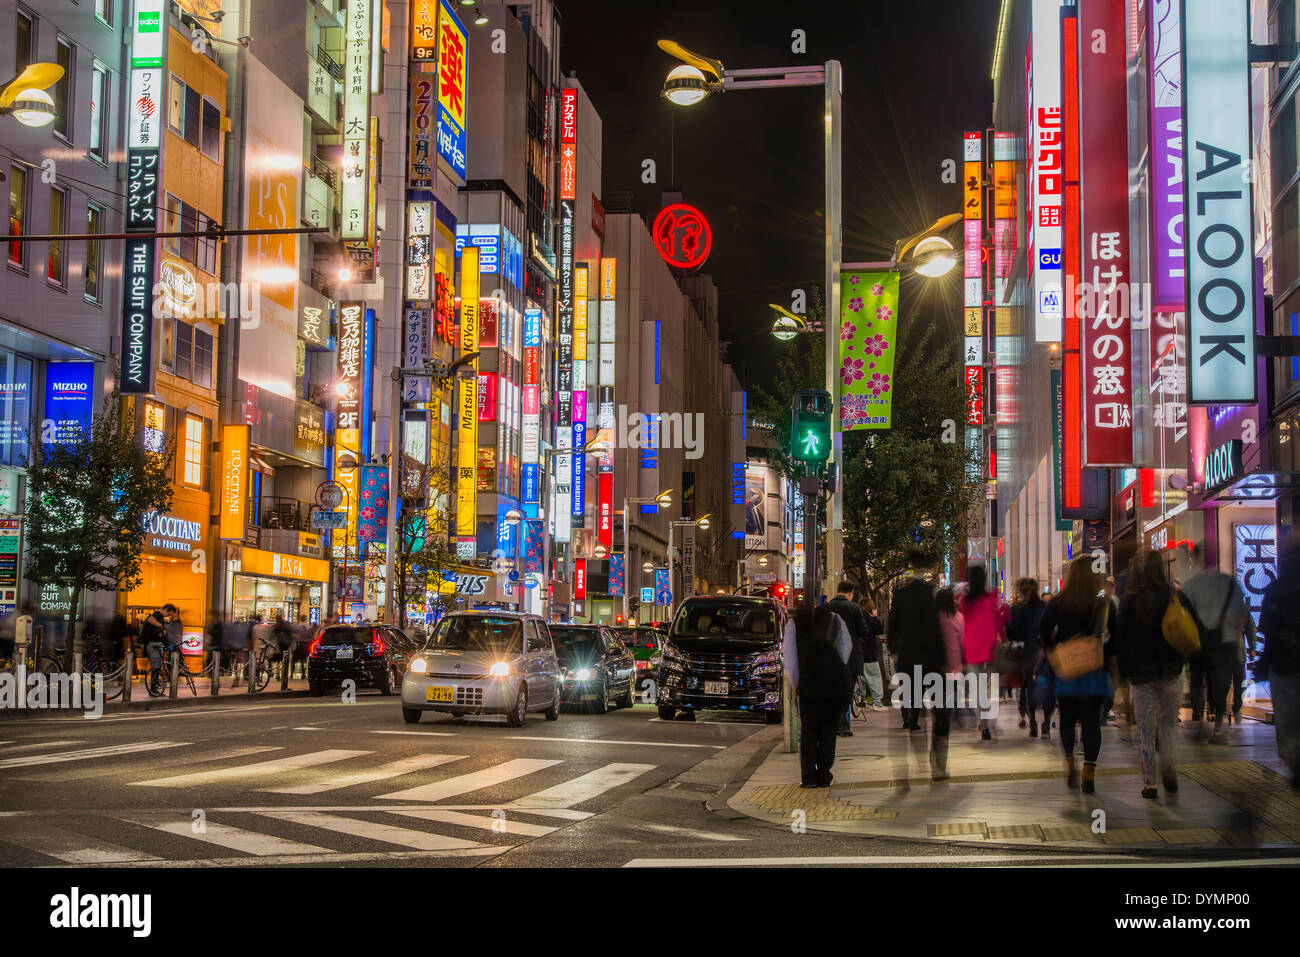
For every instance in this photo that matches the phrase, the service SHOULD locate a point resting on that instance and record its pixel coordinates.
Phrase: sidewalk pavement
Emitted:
(230, 693)
(1011, 790)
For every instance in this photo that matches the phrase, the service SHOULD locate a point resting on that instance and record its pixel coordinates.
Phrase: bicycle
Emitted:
(158, 682)
(268, 655)
(858, 704)
(111, 673)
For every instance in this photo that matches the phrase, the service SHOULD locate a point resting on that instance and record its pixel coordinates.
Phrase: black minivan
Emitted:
(374, 655)
(723, 652)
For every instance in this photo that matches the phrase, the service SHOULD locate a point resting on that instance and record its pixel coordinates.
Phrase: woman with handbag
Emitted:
(1075, 632)
(1026, 615)
(985, 621)
(1152, 666)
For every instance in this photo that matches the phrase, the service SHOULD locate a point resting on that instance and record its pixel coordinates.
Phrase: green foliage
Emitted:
(424, 547)
(87, 499)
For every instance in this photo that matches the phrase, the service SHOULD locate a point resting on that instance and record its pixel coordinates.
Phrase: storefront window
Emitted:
(155, 427)
(193, 450)
(15, 408)
(269, 599)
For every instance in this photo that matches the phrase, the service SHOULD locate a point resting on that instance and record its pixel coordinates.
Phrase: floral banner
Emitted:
(868, 338)
(372, 521)
(616, 574)
(534, 547)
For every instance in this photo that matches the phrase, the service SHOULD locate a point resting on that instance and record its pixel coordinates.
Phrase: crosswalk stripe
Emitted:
(585, 787)
(37, 745)
(692, 832)
(464, 783)
(206, 757)
(643, 744)
(233, 838)
(275, 766)
(420, 762)
(72, 848)
(87, 754)
(500, 825)
(373, 830)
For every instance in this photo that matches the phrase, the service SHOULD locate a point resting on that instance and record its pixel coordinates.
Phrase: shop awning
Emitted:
(1256, 487)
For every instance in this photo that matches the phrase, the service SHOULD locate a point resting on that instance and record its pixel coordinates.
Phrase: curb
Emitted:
(158, 704)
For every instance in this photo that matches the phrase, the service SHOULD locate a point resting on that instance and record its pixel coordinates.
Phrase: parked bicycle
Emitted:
(158, 683)
(858, 704)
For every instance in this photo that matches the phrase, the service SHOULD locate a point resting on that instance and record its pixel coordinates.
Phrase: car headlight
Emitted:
(419, 666)
(582, 674)
(500, 669)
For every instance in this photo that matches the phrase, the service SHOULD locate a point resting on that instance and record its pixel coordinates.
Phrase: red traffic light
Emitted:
(618, 619)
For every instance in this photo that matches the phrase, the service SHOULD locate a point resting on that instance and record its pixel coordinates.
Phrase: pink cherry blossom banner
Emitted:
(868, 338)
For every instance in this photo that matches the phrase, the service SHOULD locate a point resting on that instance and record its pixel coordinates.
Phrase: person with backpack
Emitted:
(815, 648)
(1026, 616)
(844, 606)
(1219, 603)
(1279, 661)
(156, 634)
(1152, 666)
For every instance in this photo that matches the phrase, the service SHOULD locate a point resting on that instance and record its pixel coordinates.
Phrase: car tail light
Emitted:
(376, 645)
(314, 648)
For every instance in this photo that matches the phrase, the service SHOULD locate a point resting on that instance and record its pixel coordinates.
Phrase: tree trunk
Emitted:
(72, 626)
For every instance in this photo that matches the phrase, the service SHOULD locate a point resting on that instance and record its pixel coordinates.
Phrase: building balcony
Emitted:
(320, 197)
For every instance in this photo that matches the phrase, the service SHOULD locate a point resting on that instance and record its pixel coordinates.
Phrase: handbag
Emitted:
(1179, 628)
(1080, 654)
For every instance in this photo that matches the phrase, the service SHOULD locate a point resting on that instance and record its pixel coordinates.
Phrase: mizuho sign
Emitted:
(1219, 233)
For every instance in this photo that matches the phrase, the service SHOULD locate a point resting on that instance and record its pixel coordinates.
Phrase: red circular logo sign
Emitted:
(682, 236)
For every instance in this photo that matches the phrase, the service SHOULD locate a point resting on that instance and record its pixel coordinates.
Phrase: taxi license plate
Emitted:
(437, 694)
(716, 687)
(343, 653)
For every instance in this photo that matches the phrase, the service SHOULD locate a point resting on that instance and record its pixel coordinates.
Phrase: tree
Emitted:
(422, 528)
(88, 495)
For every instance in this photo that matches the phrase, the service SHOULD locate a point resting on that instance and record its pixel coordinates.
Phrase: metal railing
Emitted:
(286, 513)
(329, 63)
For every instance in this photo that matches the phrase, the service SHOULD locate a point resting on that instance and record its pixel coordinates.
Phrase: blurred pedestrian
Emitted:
(1026, 617)
(156, 634)
(302, 636)
(1221, 608)
(916, 635)
(1081, 610)
(1152, 666)
(985, 620)
(816, 647)
(856, 623)
(871, 658)
(1279, 662)
(953, 625)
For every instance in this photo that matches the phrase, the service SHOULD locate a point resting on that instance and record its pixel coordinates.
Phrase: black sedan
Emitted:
(371, 654)
(597, 666)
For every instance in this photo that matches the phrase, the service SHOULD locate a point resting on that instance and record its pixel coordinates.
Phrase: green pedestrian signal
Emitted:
(810, 428)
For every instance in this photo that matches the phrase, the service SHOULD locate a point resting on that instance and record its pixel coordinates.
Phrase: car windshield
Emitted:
(575, 643)
(741, 621)
(475, 633)
(638, 638)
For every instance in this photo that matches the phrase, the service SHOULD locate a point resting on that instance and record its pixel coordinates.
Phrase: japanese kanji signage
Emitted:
(356, 121)
(1045, 168)
(349, 360)
(568, 143)
(682, 236)
(1165, 96)
(452, 58)
(974, 395)
(1104, 306)
(424, 29)
(1217, 149)
(419, 172)
(467, 412)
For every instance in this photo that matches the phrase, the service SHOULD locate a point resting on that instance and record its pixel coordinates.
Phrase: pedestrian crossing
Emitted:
(417, 814)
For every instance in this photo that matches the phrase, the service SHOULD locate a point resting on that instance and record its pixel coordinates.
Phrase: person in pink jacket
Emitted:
(952, 623)
(986, 618)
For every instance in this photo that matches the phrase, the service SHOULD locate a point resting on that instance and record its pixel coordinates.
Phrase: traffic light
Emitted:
(810, 426)
(777, 591)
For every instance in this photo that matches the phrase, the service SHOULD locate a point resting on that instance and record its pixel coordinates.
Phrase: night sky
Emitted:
(916, 76)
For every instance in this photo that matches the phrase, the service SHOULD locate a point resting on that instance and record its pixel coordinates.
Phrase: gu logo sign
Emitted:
(682, 236)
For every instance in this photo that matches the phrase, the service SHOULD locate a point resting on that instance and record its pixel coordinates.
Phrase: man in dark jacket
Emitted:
(815, 651)
(856, 623)
(1279, 663)
(917, 637)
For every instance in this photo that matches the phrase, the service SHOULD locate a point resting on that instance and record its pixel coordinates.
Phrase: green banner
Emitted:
(868, 340)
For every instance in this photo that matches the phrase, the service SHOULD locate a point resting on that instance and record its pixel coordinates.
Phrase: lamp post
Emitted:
(662, 500)
(740, 570)
(595, 447)
(24, 98)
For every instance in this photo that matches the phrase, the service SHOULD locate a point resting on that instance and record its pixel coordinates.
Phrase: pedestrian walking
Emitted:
(986, 618)
(856, 623)
(156, 636)
(1279, 662)
(1152, 666)
(302, 635)
(1080, 610)
(916, 635)
(816, 647)
(1026, 617)
(1220, 606)
(953, 624)
(871, 655)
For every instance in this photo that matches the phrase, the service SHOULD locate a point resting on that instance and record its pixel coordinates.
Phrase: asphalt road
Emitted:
(322, 783)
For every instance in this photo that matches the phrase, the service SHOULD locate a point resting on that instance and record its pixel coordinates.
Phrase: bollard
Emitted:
(286, 664)
(789, 718)
(251, 667)
(128, 669)
(215, 687)
(174, 667)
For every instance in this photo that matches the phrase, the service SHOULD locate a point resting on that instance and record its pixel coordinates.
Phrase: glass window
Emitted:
(17, 211)
(155, 426)
(206, 250)
(104, 10)
(54, 261)
(202, 358)
(176, 106)
(1286, 239)
(62, 102)
(478, 633)
(98, 100)
(167, 344)
(15, 408)
(189, 224)
(94, 221)
(184, 349)
(211, 131)
(171, 222)
(193, 116)
(25, 37)
(193, 450)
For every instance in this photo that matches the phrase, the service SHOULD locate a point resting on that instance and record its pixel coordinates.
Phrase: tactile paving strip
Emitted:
(1262, 793)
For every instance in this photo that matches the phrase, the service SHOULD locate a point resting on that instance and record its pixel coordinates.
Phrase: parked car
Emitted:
(372, 654)
(646, 644)
(485, 662)
(723, 651)
(596, 665)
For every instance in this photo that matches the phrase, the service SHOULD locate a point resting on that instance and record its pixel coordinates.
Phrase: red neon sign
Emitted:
(682, 236)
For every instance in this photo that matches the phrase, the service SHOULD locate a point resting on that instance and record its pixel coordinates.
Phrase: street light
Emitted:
(24, 97)
(661, 500)
(514, 519)
(701, 522)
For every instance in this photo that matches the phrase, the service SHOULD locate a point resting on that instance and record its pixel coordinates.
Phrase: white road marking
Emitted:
(420, 762)
(423, 734)
(644, 744)
(104, 770)
(692, 832)
(232, 838)
(315, 858)
(36, 746)
(88, 754)
(506, 825)
(72, 848)
(464, 783)
(276, 766)
(374, 831)
(585, 787)
(878, 861)
(561, 813)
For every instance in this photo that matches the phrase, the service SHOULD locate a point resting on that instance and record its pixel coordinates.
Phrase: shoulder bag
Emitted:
(1081, 654)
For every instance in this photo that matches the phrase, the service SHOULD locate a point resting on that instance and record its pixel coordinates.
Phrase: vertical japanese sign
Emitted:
(974, 395)
(531, 421)
(354, 201)
(452, 61)
(419, 170)
(145, 115)
(1165, 85)
(1062, 525)
(1071, 361)
(424, 29)
(605, 510)
(688, 561)
(579, 578)
(351, 342)
(973, 214)
(1219, 228)
(1044, 164)
(579, 500)
(606, 364)
(234, 481)
(568, 143)
(1105, 309)
(869, 307)
(467, 415)
(564, 386)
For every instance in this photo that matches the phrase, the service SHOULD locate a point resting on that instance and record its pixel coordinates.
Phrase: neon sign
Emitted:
(682, 236)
